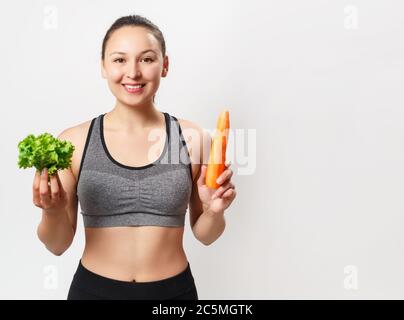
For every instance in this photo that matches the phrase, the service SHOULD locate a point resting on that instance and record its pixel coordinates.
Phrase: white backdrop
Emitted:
(316, 86)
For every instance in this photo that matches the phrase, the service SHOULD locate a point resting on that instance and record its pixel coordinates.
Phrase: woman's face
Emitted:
(126, 62)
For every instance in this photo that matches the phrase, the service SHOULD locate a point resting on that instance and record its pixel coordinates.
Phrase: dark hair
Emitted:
(135, 21)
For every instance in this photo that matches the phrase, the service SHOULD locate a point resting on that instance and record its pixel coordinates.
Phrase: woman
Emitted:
(133, 193)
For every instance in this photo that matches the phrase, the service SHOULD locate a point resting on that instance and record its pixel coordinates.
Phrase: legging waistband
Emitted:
(101, 286)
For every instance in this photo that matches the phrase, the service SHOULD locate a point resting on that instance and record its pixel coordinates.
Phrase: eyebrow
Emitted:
(119, 52)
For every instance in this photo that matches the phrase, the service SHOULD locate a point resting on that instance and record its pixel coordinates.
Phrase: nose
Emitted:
(133, 70)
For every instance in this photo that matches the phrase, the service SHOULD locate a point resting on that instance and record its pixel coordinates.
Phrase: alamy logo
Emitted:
(51, 279)
(351, 21)
(50, 20)
(351, 278)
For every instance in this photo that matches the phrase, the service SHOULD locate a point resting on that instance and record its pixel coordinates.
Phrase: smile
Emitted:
(134, 89)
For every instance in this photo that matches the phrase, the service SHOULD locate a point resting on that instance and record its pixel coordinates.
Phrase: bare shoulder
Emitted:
(189, 127)
(198, 142)
(75, 132)
(77, 135)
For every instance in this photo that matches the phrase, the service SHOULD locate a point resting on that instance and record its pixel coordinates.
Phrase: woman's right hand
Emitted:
(49, 197)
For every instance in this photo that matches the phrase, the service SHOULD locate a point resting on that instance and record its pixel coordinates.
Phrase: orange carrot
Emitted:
(217, 156)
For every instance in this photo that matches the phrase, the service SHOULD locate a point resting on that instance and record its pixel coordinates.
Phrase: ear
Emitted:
(165, 67)
(103, 72)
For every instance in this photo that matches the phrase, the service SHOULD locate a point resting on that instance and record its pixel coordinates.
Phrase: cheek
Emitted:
(152, 72)
(115, 74)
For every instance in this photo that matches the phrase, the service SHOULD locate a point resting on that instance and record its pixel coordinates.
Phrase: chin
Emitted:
(134, 102)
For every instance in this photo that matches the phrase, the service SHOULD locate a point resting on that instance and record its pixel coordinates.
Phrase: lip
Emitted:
(131, 91)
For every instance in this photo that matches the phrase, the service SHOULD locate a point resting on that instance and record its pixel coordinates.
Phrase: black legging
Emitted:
(87, 285)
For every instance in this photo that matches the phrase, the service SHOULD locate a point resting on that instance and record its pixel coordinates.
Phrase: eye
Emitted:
(150, 59)
(118, 59)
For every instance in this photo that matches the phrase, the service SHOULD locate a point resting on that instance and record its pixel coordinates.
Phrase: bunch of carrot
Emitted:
(217, 156)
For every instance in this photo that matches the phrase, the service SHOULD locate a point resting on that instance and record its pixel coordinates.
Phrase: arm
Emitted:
(59, 210)
(207, 215)
(209, 226)
(55, 231)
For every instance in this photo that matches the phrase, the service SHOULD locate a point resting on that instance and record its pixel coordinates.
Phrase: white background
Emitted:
(320, 82)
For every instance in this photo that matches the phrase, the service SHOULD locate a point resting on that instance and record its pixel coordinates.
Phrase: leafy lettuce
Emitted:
(45, 151)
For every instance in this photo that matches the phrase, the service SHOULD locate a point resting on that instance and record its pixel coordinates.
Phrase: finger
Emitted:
(61, 189)
(230, 193)
(226, 175)
(44, 188)
(37, 178)
(35, 189)
(54, 188)
(201, 180)
(219, 192)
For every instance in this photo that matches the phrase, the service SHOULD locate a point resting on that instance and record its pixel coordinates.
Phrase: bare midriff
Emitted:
(136, 253)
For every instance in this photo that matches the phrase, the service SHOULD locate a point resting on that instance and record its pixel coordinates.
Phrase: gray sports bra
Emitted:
(112, 194)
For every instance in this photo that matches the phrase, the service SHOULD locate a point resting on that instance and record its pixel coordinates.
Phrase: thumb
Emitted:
(201, 180)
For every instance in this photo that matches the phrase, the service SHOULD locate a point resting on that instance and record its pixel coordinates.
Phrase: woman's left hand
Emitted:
(216, 200)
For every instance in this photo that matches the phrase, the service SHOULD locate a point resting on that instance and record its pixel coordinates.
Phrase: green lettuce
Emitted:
(45, 151)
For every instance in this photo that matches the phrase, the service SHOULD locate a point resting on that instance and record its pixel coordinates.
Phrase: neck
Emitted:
(133, 118)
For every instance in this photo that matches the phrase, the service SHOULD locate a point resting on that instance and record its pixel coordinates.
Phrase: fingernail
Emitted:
(218, 180)
(43, 171)
(213, 197)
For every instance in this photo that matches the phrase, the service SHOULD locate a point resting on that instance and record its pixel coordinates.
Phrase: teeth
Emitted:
(133, 87)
